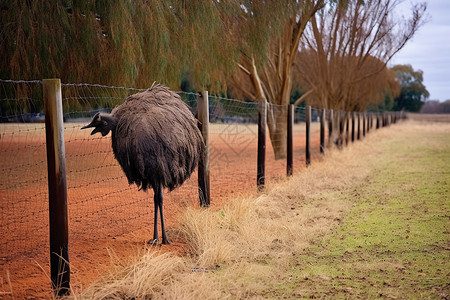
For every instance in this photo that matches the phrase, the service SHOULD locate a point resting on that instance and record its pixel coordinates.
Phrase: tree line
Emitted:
(329, 53)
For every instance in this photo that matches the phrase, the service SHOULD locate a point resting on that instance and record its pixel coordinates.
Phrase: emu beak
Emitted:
(89, 126)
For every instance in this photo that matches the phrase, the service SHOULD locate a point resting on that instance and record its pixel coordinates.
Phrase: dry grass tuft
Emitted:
(142, 276)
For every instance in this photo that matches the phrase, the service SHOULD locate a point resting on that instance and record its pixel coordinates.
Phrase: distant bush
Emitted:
(436, 107)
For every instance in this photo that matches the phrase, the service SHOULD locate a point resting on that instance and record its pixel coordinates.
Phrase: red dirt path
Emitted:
(105, 213)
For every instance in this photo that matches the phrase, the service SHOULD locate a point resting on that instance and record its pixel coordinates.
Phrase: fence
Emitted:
(100, 203)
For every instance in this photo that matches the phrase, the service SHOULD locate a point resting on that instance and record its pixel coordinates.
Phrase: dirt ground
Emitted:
(107, 217)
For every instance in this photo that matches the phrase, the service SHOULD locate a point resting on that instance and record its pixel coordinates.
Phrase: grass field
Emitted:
(369, 221)
(395, 241)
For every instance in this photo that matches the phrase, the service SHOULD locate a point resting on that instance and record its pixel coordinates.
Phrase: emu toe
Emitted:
(153, 242)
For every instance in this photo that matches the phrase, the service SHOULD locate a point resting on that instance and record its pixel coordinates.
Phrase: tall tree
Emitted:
(413, 92)
(346, 48)
(269, 75)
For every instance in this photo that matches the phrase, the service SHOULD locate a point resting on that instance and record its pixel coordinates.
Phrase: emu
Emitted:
(156, 141)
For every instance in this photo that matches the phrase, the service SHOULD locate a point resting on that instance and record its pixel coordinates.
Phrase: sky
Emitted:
(429, 50)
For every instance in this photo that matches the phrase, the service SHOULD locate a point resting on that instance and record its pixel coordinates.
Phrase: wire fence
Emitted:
(101, 203)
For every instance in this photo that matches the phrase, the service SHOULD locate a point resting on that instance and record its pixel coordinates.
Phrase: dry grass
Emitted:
(235, 252)
(142, 275)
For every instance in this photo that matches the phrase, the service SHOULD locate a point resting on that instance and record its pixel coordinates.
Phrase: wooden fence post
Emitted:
(353, 126)
(358, 135)
(364, 123)
(330, 128)
(261, 164)
(322, 131)
(340, 121)
(308, 135)
(57, 187)
(203, 165)
(289, 144)
(347, 125)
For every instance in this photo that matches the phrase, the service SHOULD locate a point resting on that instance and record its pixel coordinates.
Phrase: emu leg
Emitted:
(163, 228)
(154, 241)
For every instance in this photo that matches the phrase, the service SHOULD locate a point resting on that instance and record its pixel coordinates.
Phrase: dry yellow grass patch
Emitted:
(137, 277)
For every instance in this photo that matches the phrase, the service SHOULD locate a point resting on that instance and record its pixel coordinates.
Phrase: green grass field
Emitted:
(370, 221)
(395, 241)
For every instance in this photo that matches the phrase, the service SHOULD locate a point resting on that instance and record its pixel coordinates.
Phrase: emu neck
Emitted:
(111, 121)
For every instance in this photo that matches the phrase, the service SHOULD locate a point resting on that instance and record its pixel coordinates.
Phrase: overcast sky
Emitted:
(429, 50)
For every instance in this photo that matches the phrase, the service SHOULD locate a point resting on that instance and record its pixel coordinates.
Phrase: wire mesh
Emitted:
(100, 202)
(233, 147)
(23, 175)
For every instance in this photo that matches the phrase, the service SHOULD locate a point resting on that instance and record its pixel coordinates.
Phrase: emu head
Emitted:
(102, 123)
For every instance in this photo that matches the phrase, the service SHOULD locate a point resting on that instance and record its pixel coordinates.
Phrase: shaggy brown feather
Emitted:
(155, 138)
(156, 141)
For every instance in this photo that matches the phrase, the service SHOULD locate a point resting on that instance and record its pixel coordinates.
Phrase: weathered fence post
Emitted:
(322, 131)
(347, 125)
(364, 123)
(57, 187)
(308, 136)
(358, 135)
(261, 164)
(340, 121)
(289, 144)
(203, 164)
(353, 126)
(330, 128)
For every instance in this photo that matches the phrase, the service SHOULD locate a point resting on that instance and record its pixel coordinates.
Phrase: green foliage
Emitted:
(386, 105)
(413, 92)
(131, 43)
(134, 43)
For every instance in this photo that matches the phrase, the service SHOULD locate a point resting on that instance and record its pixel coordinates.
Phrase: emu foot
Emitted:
(153, 242)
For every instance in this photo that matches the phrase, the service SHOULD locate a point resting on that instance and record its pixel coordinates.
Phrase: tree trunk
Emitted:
(273, 81)
(277, 123)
